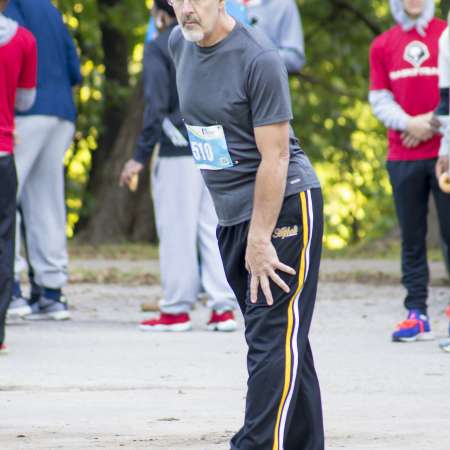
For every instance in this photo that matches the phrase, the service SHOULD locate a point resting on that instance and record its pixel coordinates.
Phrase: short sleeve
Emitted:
(28, 73)
(379, 79)
(268, 90)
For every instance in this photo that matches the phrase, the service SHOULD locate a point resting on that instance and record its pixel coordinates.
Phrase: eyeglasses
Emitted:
(178, 3)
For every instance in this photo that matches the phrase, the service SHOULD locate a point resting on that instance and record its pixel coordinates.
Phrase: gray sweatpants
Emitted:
(42, 144)
(186, 222)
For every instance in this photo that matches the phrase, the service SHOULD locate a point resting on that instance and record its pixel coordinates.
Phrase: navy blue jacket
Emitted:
(161, 101)
(58, 62)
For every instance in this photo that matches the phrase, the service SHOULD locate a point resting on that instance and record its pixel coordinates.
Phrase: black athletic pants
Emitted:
(283, 407)
(8, 188)
(412, 182)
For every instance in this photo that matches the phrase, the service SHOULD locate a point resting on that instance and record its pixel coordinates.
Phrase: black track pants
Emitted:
(8, 188)
(412, 182)
(283, 408)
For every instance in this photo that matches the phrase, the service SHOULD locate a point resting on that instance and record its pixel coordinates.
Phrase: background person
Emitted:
(280, 20)
(442, 164)
(185, 217)
(404, 94)
(46, 132)
(17, 90)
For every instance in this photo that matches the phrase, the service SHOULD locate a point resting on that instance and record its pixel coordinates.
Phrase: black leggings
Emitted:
(8, 189)
(412, 182)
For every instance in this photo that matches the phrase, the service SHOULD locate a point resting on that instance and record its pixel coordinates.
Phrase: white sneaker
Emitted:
(222, 321)
(18, 308)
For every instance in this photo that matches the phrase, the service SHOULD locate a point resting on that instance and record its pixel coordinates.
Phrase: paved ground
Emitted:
(97, 382)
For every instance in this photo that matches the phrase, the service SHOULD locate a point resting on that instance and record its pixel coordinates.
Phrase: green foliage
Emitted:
(84, 20)
(334, 122)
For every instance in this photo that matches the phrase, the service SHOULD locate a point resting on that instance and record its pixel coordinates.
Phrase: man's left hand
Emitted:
(441, 166)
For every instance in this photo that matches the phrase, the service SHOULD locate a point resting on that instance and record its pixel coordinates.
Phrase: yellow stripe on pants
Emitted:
(288, 357)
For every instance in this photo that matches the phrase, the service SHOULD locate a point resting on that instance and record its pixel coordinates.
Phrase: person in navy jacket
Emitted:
(45, 132)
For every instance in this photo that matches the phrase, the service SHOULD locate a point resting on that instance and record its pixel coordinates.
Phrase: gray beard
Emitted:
(192, 36)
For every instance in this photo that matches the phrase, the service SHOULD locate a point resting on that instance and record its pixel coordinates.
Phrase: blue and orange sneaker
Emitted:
(415, 328)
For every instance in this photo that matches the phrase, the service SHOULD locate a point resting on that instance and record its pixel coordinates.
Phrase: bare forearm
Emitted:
(268, 198)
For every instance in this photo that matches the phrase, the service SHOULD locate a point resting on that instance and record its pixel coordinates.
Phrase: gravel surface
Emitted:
(97, 382)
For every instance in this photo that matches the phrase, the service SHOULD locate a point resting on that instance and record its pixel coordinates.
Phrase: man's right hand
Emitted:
(130, 169)
(261, 261)
(409, 141)
(422, 127)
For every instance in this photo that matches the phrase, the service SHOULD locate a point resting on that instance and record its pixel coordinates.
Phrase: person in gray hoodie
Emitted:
(18, 66)
(404, 94)
(185, 218)
(281, 21)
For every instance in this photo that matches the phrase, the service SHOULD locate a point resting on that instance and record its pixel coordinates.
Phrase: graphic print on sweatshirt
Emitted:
(415, 53)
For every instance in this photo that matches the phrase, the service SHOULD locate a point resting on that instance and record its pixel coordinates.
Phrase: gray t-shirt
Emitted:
(239, 83)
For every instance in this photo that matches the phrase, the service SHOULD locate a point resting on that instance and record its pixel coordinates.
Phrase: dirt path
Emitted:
(98, 383)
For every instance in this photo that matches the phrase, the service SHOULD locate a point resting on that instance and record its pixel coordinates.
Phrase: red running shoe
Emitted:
(167, 322)
(222, 321)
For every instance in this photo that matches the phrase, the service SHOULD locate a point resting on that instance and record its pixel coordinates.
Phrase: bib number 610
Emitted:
(202, 151)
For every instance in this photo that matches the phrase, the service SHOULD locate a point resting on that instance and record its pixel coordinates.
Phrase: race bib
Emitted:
(209, 147)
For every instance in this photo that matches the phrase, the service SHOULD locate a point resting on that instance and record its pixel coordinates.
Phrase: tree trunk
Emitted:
(445, 5)
(115, 58)
(119, 214)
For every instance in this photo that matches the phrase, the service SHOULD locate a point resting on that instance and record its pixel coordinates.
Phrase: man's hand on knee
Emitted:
(262, 262)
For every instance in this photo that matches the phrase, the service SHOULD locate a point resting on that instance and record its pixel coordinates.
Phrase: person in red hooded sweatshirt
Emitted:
(404, 93)
(18, 66)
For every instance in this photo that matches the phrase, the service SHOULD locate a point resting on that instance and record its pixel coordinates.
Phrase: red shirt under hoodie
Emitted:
(18, 57)
(406, 63)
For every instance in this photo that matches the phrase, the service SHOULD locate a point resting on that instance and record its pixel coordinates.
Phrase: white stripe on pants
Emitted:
(42, 144)
(186, 222)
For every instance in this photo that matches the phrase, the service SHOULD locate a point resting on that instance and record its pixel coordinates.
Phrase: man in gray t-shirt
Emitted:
(244, 72)
(234, 99)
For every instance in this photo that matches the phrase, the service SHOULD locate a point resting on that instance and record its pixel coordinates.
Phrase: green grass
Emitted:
(142, 251)
(376, 250)
(126, 250)
(114, 276)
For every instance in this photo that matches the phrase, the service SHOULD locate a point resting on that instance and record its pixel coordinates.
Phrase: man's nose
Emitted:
(187, 7)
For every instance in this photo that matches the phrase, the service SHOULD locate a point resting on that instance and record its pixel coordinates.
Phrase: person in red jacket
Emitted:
(404, 94)
(18, 65)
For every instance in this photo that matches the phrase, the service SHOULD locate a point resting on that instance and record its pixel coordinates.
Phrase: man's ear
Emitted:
(161, 20)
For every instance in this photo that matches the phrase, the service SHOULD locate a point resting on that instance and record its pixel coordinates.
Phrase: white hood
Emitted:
(420, 24)
(8, 29)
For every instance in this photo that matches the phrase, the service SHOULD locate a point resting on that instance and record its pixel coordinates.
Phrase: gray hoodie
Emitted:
(24, 97)
(407, 24)
(383, 104)
(8, 29)
(281, 21)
